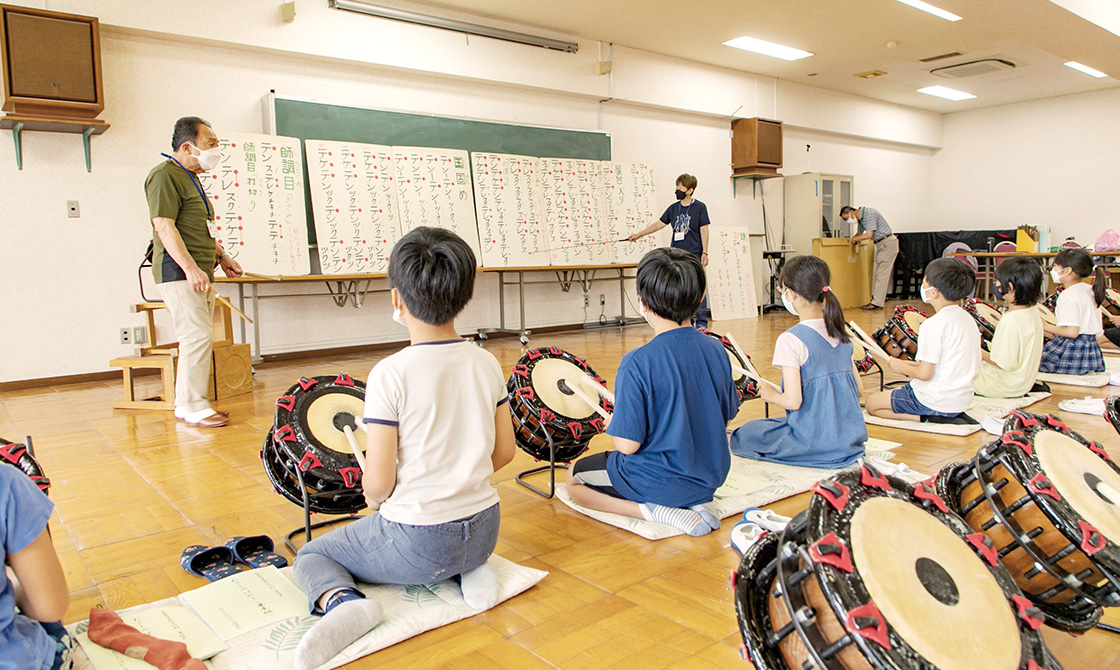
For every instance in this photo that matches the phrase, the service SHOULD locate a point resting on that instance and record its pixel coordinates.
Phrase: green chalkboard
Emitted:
(322, 121)
(319, 121)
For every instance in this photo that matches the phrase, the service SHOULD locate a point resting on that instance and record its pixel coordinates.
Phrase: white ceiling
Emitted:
(847, 37)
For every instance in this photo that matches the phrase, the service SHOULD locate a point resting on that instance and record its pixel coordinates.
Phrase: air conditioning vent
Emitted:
(976, 68)
(931, 59)
(870, 74)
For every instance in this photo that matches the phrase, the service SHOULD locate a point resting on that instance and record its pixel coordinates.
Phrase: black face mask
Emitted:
(998, 290)
(680, 194)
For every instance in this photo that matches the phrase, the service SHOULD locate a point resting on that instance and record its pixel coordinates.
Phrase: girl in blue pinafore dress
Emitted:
(823, 426)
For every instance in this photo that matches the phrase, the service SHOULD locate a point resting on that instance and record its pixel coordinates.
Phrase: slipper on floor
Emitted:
(256, 551)
(213, 563)
(766, 519)
(744, 534)
(1086, 405)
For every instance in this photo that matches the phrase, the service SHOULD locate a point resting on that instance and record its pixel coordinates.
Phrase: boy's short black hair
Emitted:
(954, 278)
(671, 283)
(1025, 277)
(433, 269)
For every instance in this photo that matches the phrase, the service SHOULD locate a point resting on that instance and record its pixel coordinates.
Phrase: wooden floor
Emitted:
(133, 488)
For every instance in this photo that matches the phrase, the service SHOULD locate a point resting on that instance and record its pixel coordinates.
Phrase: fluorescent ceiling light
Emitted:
(936, 11)
(767, 48)
(1086, 69)
(947, 93)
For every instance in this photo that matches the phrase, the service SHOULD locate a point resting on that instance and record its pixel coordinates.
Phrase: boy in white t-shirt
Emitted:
(437, 426)
(948, 352)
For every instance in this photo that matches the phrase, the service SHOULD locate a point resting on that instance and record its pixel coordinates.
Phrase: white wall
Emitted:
(68, 282)
(1048, 161)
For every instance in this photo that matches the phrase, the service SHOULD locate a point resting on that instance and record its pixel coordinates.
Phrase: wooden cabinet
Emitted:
(851, 272)
(812, 207)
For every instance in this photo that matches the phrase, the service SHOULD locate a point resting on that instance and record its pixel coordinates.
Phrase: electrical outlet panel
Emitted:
(126, 336)
(139, 335)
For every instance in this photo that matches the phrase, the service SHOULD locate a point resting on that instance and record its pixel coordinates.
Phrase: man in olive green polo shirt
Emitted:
(185, 252)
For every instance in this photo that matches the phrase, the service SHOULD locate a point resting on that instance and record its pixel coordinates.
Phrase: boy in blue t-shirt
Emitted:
(673, 399)
(31, 637)
(689, 219)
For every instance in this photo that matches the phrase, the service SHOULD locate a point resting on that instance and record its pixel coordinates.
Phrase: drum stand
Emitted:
(551, 468)
(307, 525)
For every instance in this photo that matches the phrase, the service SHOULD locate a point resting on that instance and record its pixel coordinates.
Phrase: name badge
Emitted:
(213, 228)
(678, 236)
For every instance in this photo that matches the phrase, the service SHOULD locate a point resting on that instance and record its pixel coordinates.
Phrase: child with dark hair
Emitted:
(30, 636)
(1074, 349)
(948, 352)
(1009, 370)
(673, 399)
(823, 426)
(437, 427)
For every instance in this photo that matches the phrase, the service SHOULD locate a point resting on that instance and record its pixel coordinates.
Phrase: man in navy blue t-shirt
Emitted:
(673, 399)
(689, 219)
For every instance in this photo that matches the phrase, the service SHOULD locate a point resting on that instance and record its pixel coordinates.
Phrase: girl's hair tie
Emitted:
(826, 289)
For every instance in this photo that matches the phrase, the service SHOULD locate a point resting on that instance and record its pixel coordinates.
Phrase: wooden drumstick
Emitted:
(361, 457)
(225, 301)
(255, 275)
(871, 343)
(743, 355)
(605, 392)
(586, 398)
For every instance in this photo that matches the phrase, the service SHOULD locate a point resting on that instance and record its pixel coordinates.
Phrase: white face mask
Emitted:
(208, 159)
(788, 305)
(927, 293)
(398, 319)
(1055, 275)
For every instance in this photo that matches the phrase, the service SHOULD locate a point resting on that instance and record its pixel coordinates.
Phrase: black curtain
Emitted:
(916, 250)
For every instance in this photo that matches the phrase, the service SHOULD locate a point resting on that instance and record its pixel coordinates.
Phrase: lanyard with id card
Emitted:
(211, 225)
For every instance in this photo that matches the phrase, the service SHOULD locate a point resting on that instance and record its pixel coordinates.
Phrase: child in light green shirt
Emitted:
(1010, 369)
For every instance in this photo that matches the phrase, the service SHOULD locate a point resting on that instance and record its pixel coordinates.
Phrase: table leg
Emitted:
(521, 297)
(502, 297)
(256, 353)
(241, 306)
(622, 296)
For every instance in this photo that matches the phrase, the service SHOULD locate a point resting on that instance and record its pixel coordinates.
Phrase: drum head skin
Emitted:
(1083, 478)
(546, 377)
(932, 588)
(309, 421)
(1047, 314)
(914, 320)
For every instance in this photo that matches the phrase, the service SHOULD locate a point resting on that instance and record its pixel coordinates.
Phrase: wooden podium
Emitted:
(851, 273)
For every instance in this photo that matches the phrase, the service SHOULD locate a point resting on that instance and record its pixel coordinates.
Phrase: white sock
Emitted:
(480, 587)
(707, 515)
(338, 629)
(677, 517)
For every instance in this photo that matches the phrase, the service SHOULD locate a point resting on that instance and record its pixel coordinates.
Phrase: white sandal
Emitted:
(744, 534)
(766, 519)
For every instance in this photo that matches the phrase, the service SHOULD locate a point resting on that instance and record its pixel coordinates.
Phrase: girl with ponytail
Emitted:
(1074, 349)
(823, 426)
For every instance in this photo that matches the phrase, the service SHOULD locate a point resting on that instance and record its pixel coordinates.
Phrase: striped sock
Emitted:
(707, 515)
(682, 519)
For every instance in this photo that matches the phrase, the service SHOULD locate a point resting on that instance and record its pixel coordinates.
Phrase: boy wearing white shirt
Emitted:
(437, 426)
(948, 352)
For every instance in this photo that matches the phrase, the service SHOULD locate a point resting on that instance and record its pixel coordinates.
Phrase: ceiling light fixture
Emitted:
(765, 48)
(1086, 69)
(930, 9)
(945, 92)
(452, 24)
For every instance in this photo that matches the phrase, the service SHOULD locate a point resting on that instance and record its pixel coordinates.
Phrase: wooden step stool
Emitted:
(165, 363)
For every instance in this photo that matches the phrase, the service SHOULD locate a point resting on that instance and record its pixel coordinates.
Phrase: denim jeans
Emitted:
(378, 551)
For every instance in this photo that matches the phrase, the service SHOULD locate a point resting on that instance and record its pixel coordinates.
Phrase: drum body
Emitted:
(899, 336)
(986, 317)
(17, 454)
(1050, 501)
(747, 387)
(543, 409)
(307, 435)
(876, 573)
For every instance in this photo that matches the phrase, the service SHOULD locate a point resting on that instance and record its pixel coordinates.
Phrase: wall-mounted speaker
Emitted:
(756, 147)
(51, 64)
